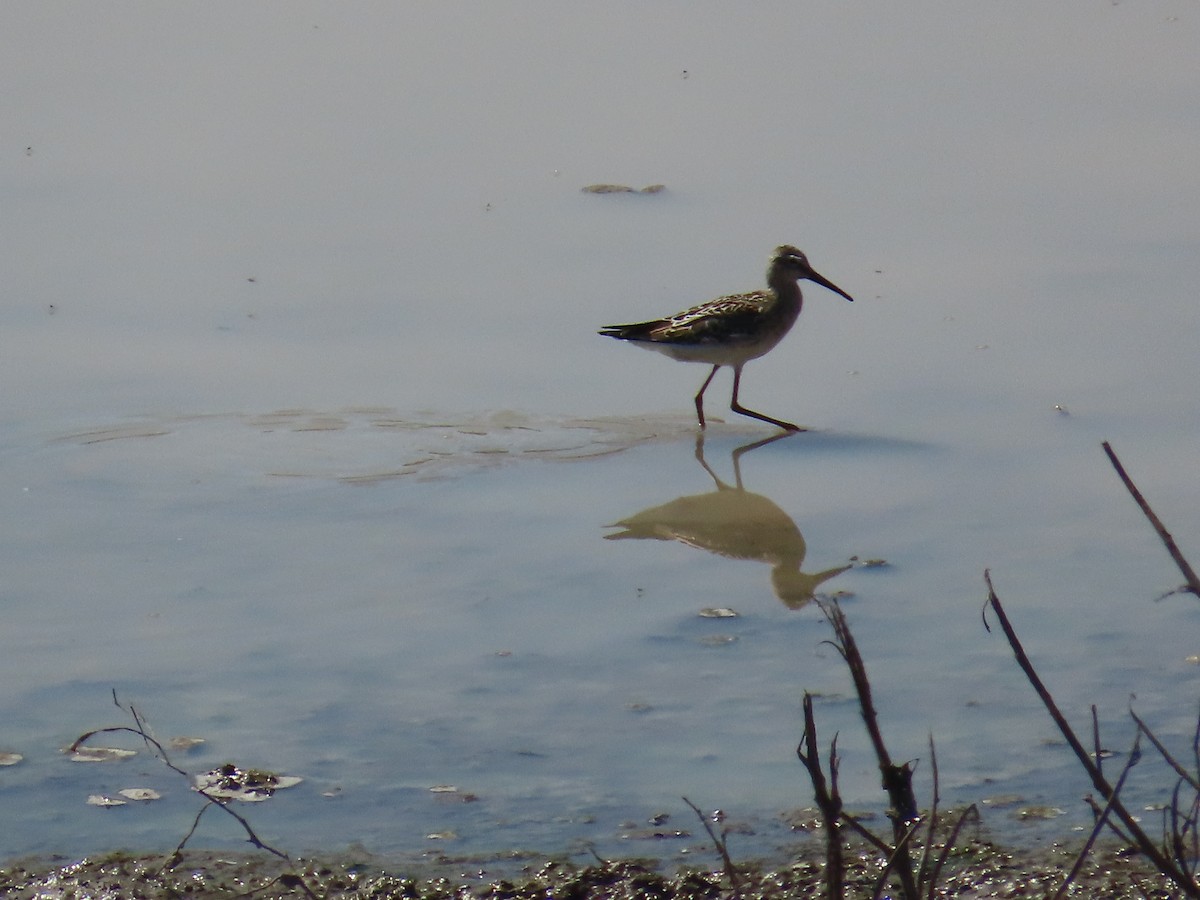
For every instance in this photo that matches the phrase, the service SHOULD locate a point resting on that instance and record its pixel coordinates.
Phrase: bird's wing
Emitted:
(725, 320)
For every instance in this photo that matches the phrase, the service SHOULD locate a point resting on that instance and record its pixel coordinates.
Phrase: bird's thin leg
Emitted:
(700, 396)
(738, 408)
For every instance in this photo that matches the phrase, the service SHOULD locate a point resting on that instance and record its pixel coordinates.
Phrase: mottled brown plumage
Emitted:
(732, 330)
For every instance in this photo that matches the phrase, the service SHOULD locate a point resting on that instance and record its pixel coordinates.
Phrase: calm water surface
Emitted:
(308, 447)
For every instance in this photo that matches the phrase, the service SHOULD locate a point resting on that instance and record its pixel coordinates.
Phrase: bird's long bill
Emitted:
(826, 283)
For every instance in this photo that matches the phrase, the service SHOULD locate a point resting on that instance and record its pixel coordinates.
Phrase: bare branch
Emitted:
(142, 731)
(1162, 862)
(897, 779)
(828, 800)
(1193, 583)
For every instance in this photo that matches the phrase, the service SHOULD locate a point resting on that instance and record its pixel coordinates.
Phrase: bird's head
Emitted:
(792, 263)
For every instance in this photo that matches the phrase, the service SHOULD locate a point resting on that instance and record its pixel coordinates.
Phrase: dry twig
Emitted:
(140, 728)
(897, 779)
(1162, 862)
(1193, 583)
(828, 799)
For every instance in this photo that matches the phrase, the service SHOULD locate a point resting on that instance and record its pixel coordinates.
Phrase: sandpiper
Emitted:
(732, 330)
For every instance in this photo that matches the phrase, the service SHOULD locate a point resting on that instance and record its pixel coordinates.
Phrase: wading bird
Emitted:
(732, 330)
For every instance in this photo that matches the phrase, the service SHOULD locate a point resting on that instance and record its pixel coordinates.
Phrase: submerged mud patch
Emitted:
(364, 445)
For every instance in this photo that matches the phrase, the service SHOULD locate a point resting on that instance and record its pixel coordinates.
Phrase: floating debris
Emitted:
(441, 836)
(100, 754)
(10, 759)
(718, 612)
(1038, 813)
(451, 792)
(655, 834)
(622, 189)
(1001, 801)
(247, 785)
(142, 795)
(873, 564)
(718, 640)
(184, 744)
(103, 800)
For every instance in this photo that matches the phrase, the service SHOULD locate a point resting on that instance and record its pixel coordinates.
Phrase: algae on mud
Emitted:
(981, 870)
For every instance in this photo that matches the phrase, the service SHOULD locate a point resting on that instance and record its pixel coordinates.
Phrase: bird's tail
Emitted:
(638, 332)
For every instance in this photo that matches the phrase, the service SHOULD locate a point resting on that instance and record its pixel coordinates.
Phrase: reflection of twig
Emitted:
(1193, 583)
(1135, 756)
(1183, 825)
(721, 844)
(1170, 760)
(899, 854)
(141, 730)
(923, 869)
(1163, 863)
(177, 854)
(971, 812)
(1098, 811)
(289, 880)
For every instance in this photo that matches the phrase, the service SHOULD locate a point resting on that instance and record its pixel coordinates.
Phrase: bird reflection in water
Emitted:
(737, 524)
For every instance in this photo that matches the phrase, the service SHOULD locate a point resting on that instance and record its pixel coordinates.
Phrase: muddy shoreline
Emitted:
(978, 869)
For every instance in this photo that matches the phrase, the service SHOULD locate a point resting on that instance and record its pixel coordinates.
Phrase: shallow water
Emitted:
(309, 448)
(292, 600)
